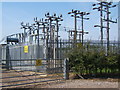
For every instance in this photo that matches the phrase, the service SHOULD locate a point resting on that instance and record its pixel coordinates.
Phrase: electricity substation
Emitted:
(40, 51)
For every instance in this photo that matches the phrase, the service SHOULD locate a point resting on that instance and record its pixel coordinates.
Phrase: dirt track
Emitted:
(88, 83)
(74, 83)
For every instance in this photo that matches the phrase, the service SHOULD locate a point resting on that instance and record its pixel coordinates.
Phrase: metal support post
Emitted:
(24, 35)
(82, 30)
(47, 42)
(38, 50)
(79, 37)
(50, 39)
(101, 20)
(107, 29)
(7, 58)
(57, 55)
(66, 69)
(75, 33)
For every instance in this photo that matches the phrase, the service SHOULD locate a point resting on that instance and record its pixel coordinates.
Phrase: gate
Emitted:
(31, 73)
(25, 70)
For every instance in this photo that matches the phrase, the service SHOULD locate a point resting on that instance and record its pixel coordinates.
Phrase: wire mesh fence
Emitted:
(21, 66)
(53, 49)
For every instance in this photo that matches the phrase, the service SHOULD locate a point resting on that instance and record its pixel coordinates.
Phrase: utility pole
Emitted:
(104, 6)
(75, 15)
(38, 42)
(44, 23)
(100, 8)
(108, 5)
(57, 19)
(38, 23)
(101, 29)
(50, 30)
(82, 14)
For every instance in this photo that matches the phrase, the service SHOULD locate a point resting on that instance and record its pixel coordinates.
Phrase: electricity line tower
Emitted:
(104, 7)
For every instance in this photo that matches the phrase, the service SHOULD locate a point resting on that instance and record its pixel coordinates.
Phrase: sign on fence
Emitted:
(26, 49)
(38, 62)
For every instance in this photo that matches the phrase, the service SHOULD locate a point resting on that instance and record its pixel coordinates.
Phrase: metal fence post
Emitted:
(66, 69)
(7, 57)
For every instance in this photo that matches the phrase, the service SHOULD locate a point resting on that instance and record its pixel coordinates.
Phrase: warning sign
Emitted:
(26, 49)
(38, 62)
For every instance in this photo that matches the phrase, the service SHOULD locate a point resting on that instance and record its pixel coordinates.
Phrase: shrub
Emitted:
(90, 60)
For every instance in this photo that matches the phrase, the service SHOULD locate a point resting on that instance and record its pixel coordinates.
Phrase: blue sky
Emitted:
(13, 13)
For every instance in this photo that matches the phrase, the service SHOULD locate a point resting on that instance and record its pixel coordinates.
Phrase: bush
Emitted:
(92, 61)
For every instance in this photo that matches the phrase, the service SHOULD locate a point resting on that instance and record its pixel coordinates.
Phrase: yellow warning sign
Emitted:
(38, 62)
(26, 49)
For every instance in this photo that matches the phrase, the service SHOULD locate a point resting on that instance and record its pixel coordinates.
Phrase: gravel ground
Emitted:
(73, 83)
(88, 83)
